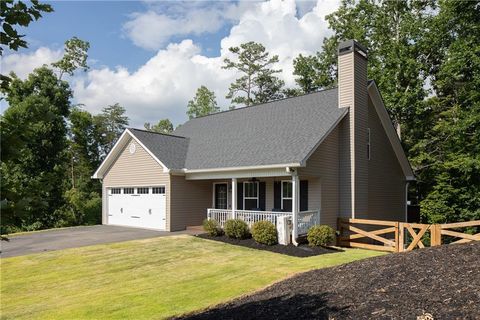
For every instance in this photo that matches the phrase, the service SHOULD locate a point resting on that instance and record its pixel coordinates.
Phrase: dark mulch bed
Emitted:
(301, 251)
(443, 281)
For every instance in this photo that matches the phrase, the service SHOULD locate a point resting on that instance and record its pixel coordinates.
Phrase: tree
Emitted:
(163, 126)
(257, 83)
(113, 122)
(204, 103)
(318, 71)
(447, 157)
(14, 14)
(75, 57)
(33, 133)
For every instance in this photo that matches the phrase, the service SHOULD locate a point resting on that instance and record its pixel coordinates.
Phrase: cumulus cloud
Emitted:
(159, 89)
(162, 87)
(24, 63)
(154, 28)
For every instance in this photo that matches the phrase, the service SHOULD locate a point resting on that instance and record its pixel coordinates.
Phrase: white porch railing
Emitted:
(250, 217)
(219, 215)
(307, 219)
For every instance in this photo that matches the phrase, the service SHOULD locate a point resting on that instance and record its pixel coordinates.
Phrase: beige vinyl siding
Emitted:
(352, 93)
(386, 179)
(137, 169)
(344, 163)
(360, 137)
(189, 201)
(322, 173)
(269, 200)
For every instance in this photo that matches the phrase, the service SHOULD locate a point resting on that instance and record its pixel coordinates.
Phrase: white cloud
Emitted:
(24, 63)
(159, 89)
(162, 87)
(153, 29)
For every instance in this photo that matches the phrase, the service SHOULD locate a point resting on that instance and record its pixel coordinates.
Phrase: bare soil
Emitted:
(441, 281)
(302, 251)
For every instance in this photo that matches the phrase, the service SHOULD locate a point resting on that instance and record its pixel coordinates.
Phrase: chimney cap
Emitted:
(351, 45)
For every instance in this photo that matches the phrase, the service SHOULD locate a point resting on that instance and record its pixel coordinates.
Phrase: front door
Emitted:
(221, 196)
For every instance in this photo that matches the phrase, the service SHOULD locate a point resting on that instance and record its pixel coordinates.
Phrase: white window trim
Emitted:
(281, 193)
(228, 193)
(251, 198)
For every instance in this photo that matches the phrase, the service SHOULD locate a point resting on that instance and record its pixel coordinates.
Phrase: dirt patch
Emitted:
(442, 281)
(301, 251)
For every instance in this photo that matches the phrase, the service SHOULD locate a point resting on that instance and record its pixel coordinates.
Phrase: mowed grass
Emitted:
(144, 279)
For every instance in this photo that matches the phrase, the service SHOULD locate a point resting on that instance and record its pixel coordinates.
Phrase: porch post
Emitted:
(234, 197)
(295, 207)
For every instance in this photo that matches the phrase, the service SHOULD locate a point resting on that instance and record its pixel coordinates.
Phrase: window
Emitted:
(368, 144)
(116, 191)
(250, 195)
(287, 195)
(158, 190)
(143, 190)
(128, 191)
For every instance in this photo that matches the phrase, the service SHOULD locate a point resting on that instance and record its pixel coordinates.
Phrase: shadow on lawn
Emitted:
(299, 306)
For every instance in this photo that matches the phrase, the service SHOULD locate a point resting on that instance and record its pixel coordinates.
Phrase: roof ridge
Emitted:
(153, 132)
(260, 104)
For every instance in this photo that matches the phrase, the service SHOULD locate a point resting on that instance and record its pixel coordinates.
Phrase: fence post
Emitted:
(401, 237)
(397, 243)
(435, 235)
(339, 230)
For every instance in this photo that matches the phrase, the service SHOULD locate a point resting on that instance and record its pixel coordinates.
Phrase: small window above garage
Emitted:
(128, 190)
(158, 190)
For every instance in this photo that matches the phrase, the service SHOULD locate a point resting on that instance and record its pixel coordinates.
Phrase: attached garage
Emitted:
(143, 207)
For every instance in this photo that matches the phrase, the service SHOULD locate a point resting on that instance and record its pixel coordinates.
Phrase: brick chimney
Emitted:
(352, 94)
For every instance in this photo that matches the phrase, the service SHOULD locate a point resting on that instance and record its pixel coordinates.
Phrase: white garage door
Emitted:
(143, 207)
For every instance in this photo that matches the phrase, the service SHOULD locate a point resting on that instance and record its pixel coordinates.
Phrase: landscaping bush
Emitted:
(236, 229)
(264, 232)
(212, 228)
(322, 235)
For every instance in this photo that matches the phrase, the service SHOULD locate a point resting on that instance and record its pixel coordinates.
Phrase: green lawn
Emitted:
(153, 278)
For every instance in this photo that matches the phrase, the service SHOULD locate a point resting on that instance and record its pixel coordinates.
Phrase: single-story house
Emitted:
(316, 157)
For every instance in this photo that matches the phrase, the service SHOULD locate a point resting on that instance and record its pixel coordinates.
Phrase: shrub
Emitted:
(236, 229)
(264, 232)
(212, 228)
(320, 235)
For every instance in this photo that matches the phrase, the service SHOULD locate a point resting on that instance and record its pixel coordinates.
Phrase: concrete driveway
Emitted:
(76, 237)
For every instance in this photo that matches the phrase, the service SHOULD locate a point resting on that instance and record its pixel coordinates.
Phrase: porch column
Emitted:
(234, 197)
(295, 207)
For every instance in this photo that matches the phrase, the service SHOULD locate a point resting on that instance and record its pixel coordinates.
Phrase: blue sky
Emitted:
(100, 23)
(152, 56)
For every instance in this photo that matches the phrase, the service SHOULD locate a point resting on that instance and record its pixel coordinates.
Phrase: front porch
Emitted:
(253, 199)
(305, 219)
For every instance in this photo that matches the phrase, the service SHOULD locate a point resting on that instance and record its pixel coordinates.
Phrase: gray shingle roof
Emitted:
(169, 149)
(278, 132)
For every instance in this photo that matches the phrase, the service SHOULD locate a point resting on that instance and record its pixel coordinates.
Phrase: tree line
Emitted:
(423, 55)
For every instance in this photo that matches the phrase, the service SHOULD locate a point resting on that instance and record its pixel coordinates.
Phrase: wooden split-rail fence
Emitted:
(396, 236)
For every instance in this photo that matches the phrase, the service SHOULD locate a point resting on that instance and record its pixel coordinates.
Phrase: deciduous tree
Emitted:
(162, 126)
